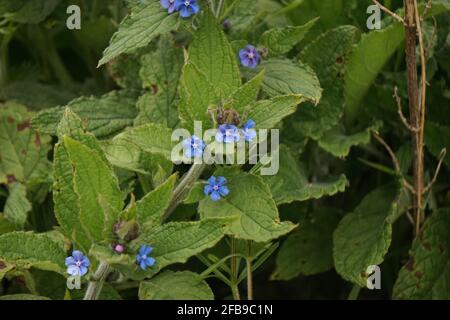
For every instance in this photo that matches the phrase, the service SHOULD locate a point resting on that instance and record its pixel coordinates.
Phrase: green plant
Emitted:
(87, 149)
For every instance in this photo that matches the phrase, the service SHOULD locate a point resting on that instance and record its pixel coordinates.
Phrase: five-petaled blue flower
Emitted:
(249, 56)
(193, 147)
(77, 264)
(168, 4)
(142, 258)
(227, 133)
(248, 131)
(216, 188)
(186, 7)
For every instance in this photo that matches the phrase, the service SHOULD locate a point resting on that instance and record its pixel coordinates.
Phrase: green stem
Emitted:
(183, 187)
(234, 271)
(4, 57)
(219, 8)
(354, 293)
(96, 283)
(249, 271)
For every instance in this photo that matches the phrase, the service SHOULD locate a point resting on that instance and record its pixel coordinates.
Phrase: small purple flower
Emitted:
(77, 264)
(216, 188)
(227, 133)
(119, 248)
(193, 147)
(168, 4)
(142, 258)
(187, 7)
(249, 56)
(248, 131)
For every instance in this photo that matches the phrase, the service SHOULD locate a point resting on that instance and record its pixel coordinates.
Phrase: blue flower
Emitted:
(227, 133)
(168, 4)
(249, 56)
(216, 188)
(248, 131)
(187, 7)
(142, 258)
(193, 147)
(77, 264)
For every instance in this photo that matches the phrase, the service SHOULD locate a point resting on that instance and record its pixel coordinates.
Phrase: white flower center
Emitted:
(78, 263)
(187, 3)
(251, 55)
(216, 187)
(194, 146)
(144, 257)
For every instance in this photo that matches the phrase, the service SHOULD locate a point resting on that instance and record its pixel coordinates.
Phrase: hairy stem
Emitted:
(249, 271)
(96, 283)
(354, 293)
(234, 271)
(183, 187)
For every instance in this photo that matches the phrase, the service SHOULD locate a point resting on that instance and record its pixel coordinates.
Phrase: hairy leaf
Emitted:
(251, 202)
(145, 22)
(425, 276)
(104, 116)
(169, 285)
(363, 236)
(27, 249)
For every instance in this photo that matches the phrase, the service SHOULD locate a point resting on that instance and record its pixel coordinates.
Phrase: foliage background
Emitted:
(330, 163)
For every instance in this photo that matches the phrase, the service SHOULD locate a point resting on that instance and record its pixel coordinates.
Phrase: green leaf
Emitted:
(327, 55)
(291, 182)
(309, 250)
(135, 148)
(251, 202)
(17, 205)
(27, 11)
(425, 276)
(245, 94)
(282, 40)
(5, 225)
(211, 52)
(436, 138)
(268, 113)
(66, 203)
(35, 95)
(104, 116)
(197, 95)
(160, 73)
(363, 236)
(284, 77)
(169, 285)
(173, 242)
(152, 206)
(96, 186)
(138, 29)
(22, 296)
(367, 60)
(336, 142)
(23, 151)
(27, 249)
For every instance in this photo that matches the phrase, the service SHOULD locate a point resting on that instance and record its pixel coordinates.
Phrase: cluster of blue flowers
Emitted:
(185, 7)
(226, 133)
(193, 147)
